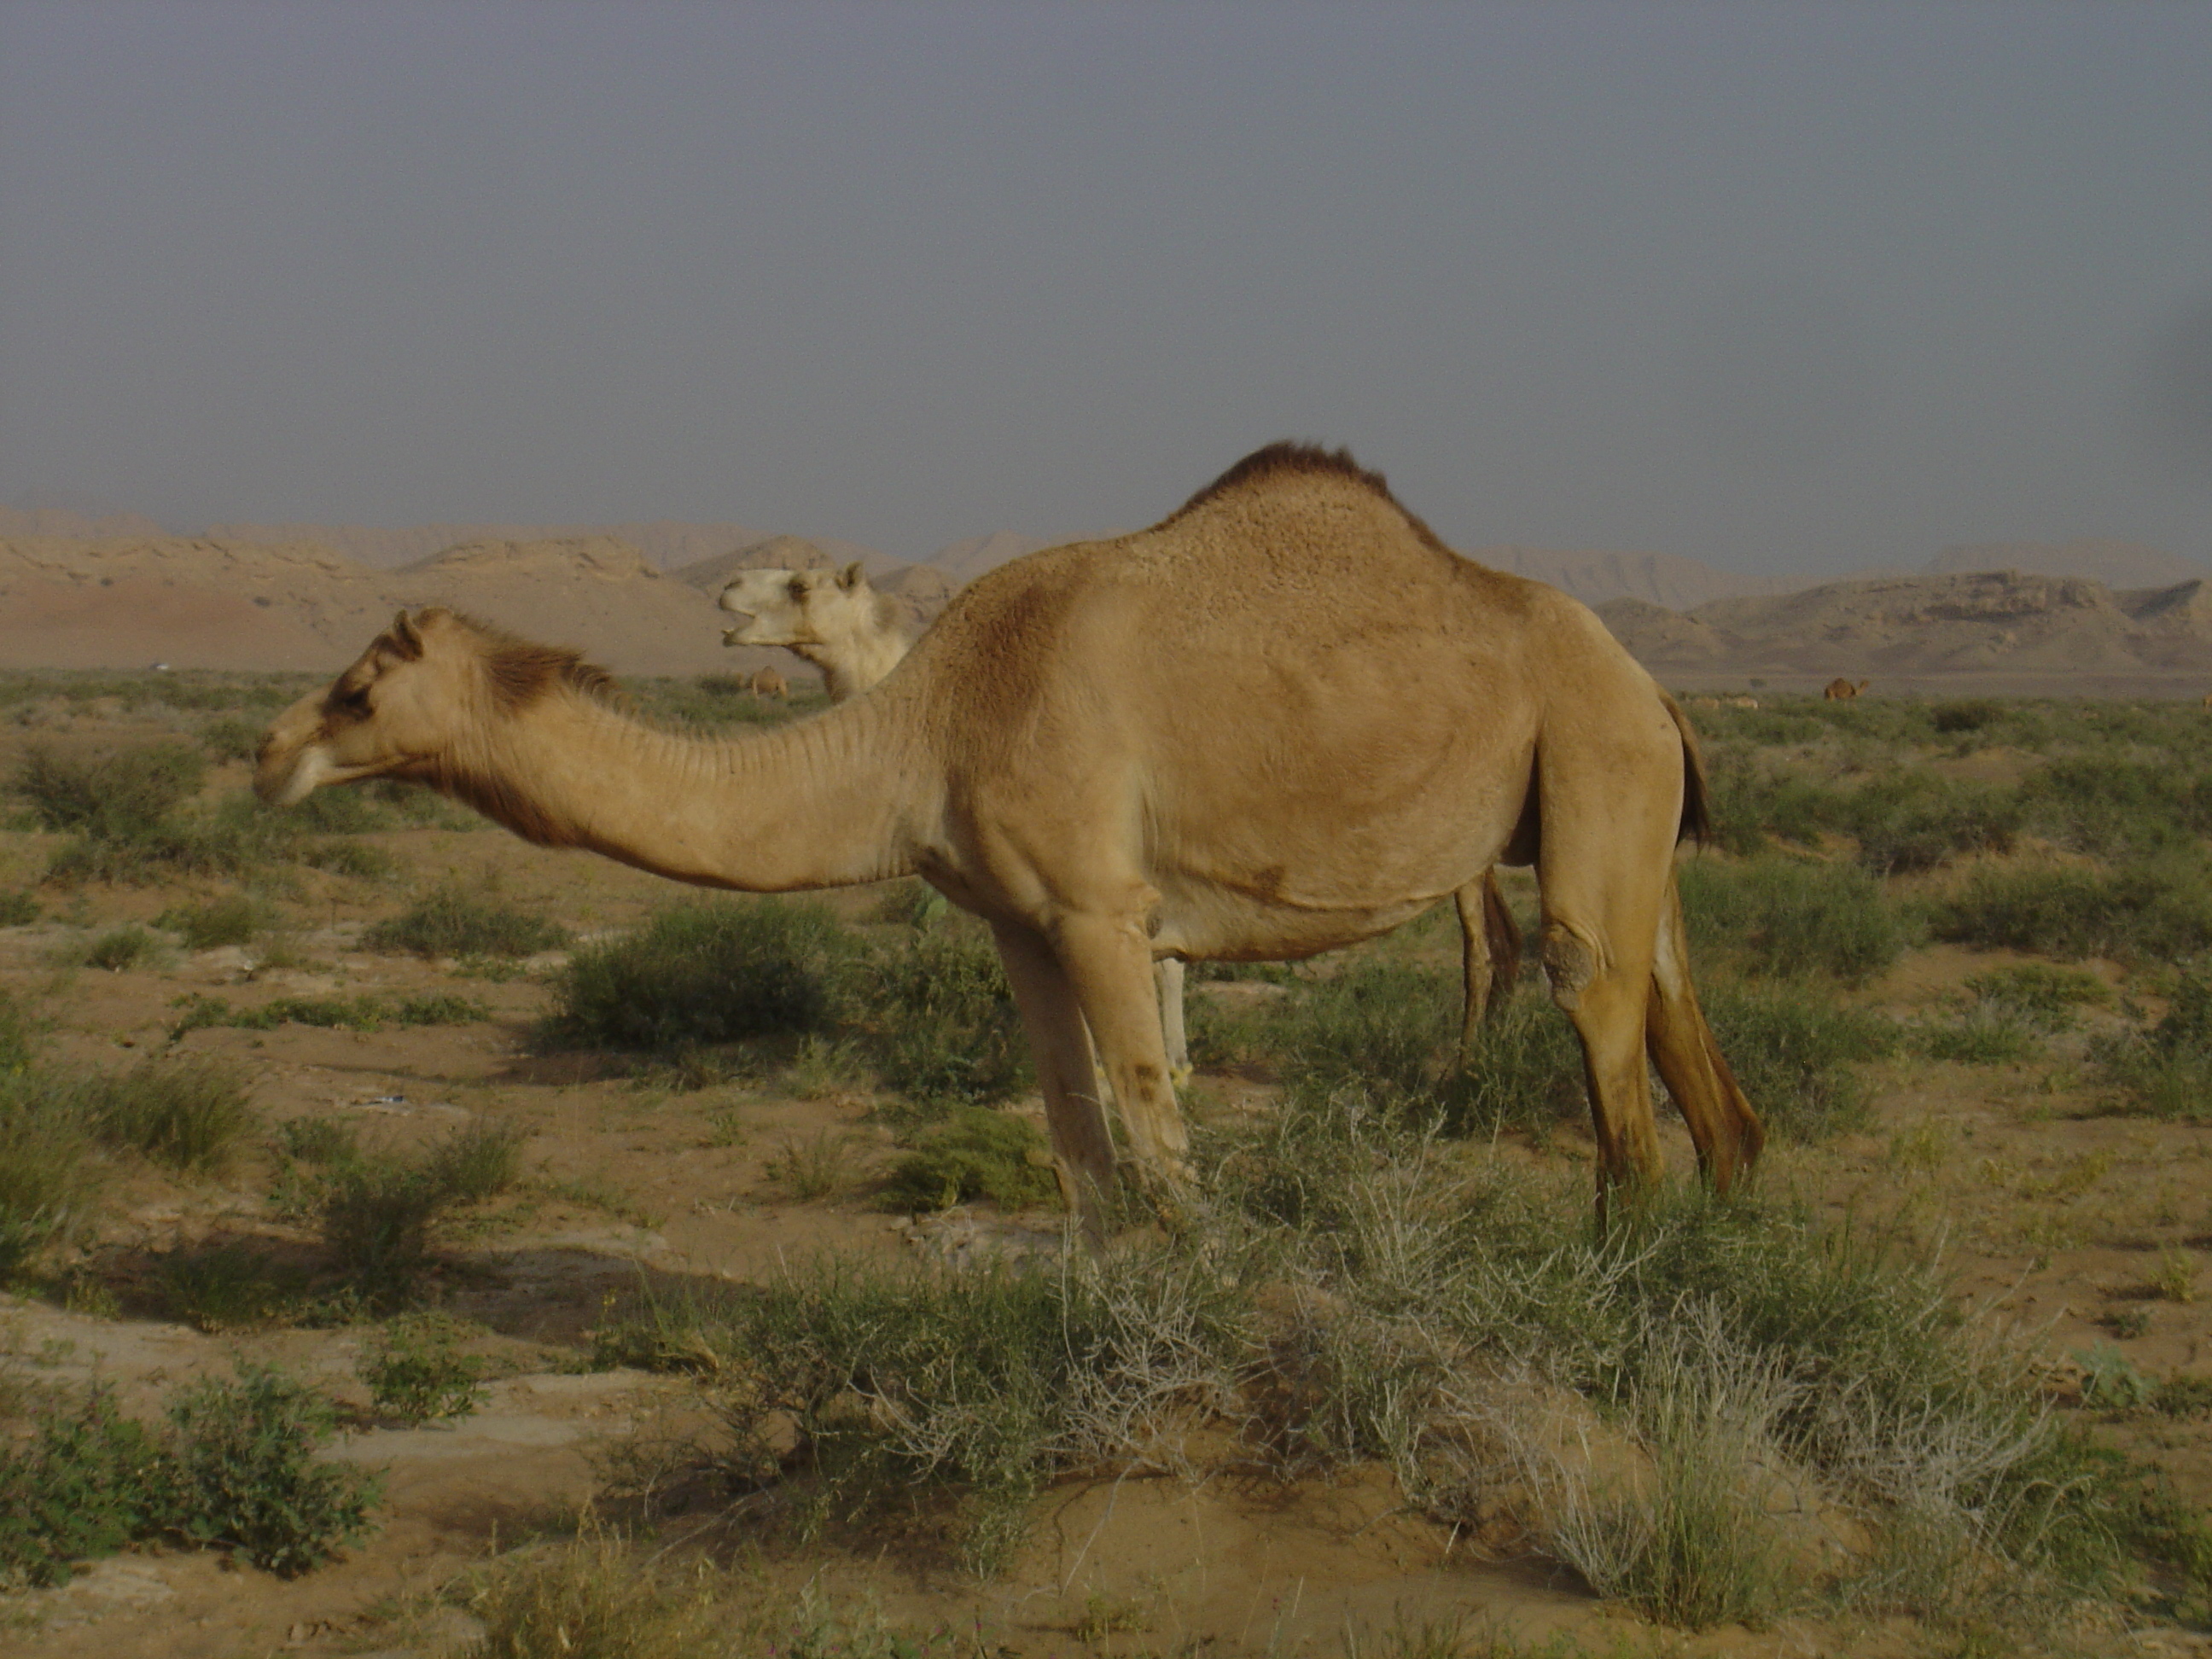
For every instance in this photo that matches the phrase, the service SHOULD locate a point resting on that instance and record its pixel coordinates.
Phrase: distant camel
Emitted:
(1842, 690)
(854, 635)
(1285, 719)
(766, 683)
(2208, 699)
(1741, 703)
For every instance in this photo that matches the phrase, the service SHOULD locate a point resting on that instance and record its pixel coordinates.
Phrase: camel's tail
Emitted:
(1696, 794)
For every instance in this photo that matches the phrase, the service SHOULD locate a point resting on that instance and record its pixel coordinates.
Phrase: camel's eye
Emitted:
(353, 699)
(798, 589)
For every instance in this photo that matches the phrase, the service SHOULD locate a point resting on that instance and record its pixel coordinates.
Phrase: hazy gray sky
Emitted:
(1785, 288)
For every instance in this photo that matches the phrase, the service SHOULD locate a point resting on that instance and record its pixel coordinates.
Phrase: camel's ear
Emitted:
(850, 577)
(405, 638)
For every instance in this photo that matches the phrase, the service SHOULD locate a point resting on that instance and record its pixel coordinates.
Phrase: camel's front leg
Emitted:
(1109, 963)
(1067, 1076)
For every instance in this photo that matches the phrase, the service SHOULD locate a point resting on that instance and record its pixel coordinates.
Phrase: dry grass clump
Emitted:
(452, 922)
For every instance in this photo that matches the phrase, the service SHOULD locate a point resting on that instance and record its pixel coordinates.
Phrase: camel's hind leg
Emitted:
(1167, 974)
(1067, 1074)
(1727, 1131)
(1490, 952)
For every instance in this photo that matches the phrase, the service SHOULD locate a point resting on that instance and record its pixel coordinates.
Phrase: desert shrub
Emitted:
(357, 859)
(184, 1113)
(717, 971)
(1966, 714)
(318, 1140)
(117, 949)
(1795, 1054)
(18, 909)
(1379, 1023)
(593, 1598)
(1789, 917)
(976, 1386)
(1753, 805)
(242, 1475)
(452, 922)
(1917, 820)
(88, 1484)
(940, 1020)
(1978, 1034)
(50, 1172)
(1524, 1069)
(238, 836)
(379, 1212)
(2040, 995)
(119, 795)
(478, 1161)
(229, 1287)
(2161, 908)
(233, 1468)
(416, 1371)
(232, 738)
(376, 1215)
(343, 811)
(979, 1153)
(2115, 808)
(369, 1011)
(2166, 1070)
(234, 919)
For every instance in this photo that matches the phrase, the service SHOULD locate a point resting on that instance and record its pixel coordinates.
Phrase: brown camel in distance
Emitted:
(1284, 719)
(854, 636)
(767, 682)
(1839, 690)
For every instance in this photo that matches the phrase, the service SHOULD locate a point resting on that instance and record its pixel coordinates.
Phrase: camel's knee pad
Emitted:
(1568, 963)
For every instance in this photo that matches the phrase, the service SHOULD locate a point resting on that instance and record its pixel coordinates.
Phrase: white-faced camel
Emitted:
(855, 635)
(1286, 718)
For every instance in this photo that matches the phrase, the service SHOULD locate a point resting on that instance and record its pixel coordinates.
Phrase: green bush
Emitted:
(50, 1173)
(242, 1473)
(119, 949)
(89, 1483)
(231, 738)
(376, 1216)
(2116, 808)
(369, 1011)
(119, 795)
(234, 919)
(2040, 995)
(229, 1287)
(416, 1371)
(2161, 908)
(454, 922)
(233, 1468)
(980, 1153)
(478, 1161)
(1787, 918)
(18, 909)
(1795, 1054)
(1915, 820)
(238, 836)
(941, 1020)
(2167, 1071)
(1753, 805)
(184, 1114)
(716, 971)
(1966, 714)
(1981, 1034)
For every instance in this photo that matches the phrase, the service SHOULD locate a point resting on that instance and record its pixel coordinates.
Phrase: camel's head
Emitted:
(412, 706)
(801, 607)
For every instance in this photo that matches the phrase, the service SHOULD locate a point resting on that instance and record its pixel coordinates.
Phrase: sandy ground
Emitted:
(2051, 1220)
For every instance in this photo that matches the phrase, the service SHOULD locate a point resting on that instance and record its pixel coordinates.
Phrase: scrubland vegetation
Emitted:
(1746, 1409)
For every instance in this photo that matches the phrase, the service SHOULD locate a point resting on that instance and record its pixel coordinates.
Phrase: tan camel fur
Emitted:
(766, 683)
(1840, 690)
(852, 635)
(1284, 719)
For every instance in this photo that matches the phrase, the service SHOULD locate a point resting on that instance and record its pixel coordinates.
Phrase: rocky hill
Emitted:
(2006, 622)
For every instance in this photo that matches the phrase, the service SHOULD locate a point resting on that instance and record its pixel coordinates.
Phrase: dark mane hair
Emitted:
(520, 671)
(1287, 459)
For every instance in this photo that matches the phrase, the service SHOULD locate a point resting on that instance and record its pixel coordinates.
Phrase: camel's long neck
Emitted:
(823, 803)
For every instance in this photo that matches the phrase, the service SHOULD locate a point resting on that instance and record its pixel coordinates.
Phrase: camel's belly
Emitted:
(1208, 922)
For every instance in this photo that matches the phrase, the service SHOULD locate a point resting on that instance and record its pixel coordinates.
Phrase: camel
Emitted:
(855, 637)
(1839, 690)
(766, 683)
(1286, 718)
